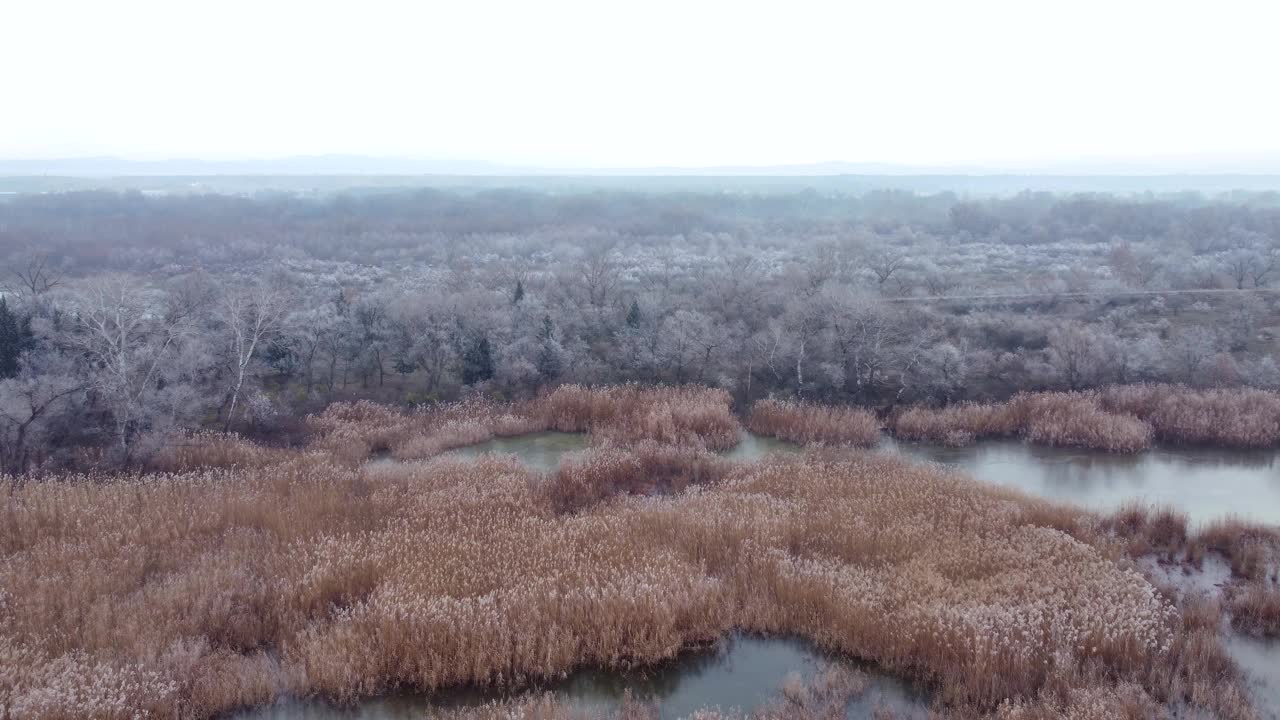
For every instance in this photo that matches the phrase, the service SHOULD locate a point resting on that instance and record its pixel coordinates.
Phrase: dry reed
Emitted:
(1117, 419)
(1076, 419)
(1239, 417)
(620, 415)
(808, 423)
(191, 594)
(1255, 610)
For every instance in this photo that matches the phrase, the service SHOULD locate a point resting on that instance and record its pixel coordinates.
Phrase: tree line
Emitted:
(128, 317)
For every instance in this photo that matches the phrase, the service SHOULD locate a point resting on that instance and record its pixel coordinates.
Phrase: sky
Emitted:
(595, 83)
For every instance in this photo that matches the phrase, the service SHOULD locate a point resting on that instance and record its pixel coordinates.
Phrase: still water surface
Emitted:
(540, 450)
(743, 673)
(1206, 483)
(1260, 660)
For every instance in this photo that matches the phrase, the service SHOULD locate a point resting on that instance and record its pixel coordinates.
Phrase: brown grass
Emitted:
(620, 415)
(807, 423)
(1256, 610)
(626, 414)
(1252, 549)
(1058, 419)
(213, 450)
(1240, 417)
(1148, 530)
(1117, 419)
(954, 425)
(585, 478)
(191, 594)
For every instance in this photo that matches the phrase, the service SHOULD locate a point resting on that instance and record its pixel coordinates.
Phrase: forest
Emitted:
(129, 317)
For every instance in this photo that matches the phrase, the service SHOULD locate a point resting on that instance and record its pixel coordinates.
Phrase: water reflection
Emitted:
(744, 673)
(1206, 483)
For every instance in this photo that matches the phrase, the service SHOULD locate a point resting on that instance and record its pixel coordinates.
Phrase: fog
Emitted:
(1068, 87)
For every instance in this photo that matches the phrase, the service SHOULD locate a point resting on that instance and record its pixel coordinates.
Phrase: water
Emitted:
(540, 450)
(1260, 660)
(752, 447)
(543, 450)
(1205, 483)
(744, 673)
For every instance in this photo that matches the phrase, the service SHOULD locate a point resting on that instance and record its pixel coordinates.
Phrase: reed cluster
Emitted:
(1234, 417)
(1149, 530)
(586, 477)
(620, 415)
(954, 425)
(808, 423)
(194, 593)
(1126, 418)
(627, 414)
(1255, 610)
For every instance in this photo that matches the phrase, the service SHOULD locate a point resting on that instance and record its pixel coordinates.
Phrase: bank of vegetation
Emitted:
(1126, 418)
(244, 573)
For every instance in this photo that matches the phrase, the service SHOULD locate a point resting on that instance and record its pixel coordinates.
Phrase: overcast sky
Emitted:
(647, 83)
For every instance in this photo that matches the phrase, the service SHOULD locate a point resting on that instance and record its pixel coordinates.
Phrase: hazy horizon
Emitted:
(1005, 86)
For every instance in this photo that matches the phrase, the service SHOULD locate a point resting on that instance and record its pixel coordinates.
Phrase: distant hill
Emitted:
(326, 174)
(1263, 164)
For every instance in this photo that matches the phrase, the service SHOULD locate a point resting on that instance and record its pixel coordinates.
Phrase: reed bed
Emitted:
(1126, 418)
(1147, 530)
(808, 423)
(1075, 419)
(1237, 417)
(954, 425)
(191, 594)
(621, 415)
(213, 450)
(1255, 610)
(586, 477)
(626, 414)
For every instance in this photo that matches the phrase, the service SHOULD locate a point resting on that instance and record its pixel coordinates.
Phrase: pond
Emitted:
(744, 673)
(543, 450)
(752, 447)
(539, 450)
(1205, 483)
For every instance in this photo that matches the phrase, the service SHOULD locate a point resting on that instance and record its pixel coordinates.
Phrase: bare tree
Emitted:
(27, 402)
(884, 263)
(1078, 353)
(128, 334)
(35, 274)
(247, 316)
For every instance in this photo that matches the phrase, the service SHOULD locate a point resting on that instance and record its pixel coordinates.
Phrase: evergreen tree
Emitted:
(549, 355)
(633, 315)
(15, 338)
(519, 293)
(477, 363)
